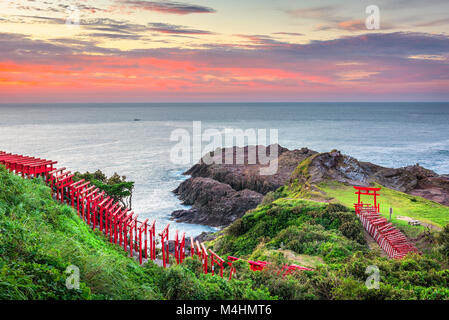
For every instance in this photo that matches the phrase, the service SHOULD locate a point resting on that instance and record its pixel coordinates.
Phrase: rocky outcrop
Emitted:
(336, 166)
(221, 193)
(430, 185)
(242, 174)
(214, 203)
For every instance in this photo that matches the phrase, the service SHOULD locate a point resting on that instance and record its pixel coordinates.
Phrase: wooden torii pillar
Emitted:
(164, 243)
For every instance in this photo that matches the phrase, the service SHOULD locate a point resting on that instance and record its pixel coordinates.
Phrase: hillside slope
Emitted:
(39, 239)
(329, 238)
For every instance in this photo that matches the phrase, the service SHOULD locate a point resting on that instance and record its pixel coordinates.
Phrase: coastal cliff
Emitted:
(221, 193)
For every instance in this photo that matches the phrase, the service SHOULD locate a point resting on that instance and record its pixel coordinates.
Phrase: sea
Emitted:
(136, 139)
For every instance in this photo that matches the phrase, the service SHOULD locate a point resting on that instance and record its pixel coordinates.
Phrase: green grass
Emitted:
(325, 236)
(303, 226)
(40, 238)
(295, 224)
(403, 204)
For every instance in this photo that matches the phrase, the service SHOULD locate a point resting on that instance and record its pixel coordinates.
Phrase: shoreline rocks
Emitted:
(242, 175)
(214, 203)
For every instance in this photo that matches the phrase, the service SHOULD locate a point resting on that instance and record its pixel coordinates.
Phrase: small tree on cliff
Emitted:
(115, 186)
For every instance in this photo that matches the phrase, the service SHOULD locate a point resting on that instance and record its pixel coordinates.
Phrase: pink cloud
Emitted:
(351, 67)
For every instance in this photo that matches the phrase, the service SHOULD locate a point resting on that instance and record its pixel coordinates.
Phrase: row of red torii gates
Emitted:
(390, 239)
(118, 223)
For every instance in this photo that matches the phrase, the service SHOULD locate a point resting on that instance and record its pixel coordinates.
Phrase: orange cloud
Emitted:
(353, 25)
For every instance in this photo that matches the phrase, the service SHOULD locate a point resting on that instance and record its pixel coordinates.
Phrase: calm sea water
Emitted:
(105, 136)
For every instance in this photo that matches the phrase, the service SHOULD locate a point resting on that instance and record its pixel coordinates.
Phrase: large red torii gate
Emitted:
(389, 238)
(366, 191)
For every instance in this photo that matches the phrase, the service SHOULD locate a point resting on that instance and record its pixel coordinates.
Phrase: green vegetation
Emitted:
(301, 226)
(115, 186)
(39, 239)
(291, 227)
(403, 204)
(307, 229)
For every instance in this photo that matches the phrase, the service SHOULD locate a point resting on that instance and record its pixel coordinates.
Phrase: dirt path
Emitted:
(302, 259)
(429, 225)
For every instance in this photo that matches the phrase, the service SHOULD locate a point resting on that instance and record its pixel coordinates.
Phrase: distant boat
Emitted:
(137, 119)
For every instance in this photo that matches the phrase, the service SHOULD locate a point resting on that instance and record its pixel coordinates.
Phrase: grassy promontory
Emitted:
(403, 204)
(312, 225)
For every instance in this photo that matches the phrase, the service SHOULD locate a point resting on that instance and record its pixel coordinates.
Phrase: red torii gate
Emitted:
(152, 232)
(142, 229)
(182, 248)
(204, 257)
(366, 191)
(216, 259)
(25, 165)
(389, 238)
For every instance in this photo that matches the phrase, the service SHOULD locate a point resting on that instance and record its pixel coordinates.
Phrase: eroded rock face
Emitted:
(214, 203)
(348, 170)
(335, 166)
(241, 175)
(222, 193)
(430, 185)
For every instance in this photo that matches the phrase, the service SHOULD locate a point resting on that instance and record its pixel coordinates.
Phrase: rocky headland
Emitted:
(414, 179)
(222, 193)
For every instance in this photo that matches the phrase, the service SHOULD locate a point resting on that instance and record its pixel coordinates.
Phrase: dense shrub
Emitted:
(115, 186)
(301, 228)
(443, 240)
(180, 283)
(316, 240)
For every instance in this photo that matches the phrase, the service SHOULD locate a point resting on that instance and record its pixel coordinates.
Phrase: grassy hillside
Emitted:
(290, 225)
(302, 226)
(332, 191)
(403, 204)
(40, 238)
(329, 238)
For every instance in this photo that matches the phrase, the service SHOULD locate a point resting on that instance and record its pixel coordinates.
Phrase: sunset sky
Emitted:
(223, 50)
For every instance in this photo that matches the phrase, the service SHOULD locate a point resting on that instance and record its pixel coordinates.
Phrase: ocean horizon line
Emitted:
(219, 102)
